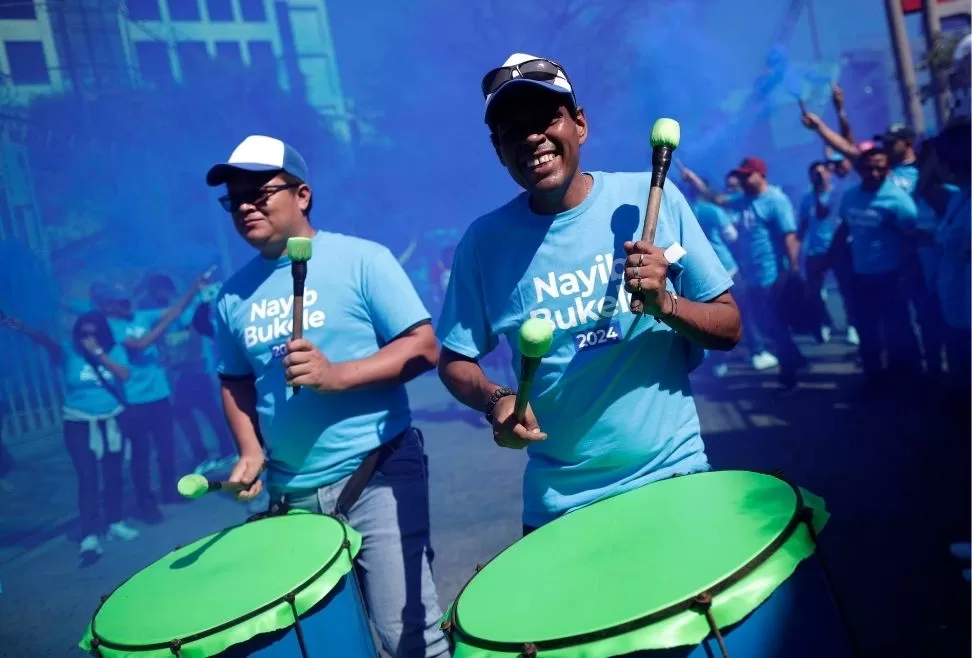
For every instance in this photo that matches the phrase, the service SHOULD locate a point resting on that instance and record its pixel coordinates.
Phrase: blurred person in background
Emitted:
(876, 213)
(148, 419)
(818, 222)
(718, 228)
(190, 363)
(94, 367)
(768, 254)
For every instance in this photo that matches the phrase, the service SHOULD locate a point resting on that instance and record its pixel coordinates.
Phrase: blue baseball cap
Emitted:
(259, 153)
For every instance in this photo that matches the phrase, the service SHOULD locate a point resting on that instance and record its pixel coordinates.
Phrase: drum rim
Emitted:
(174, 644)
(802, 514)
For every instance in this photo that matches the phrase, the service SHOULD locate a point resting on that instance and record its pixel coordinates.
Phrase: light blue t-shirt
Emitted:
(147, 382)
(763, 221)
(905, 176)
(83, 390)
(820, 230)
(714, 221)
(617, 408)
(955, 269)
(875, 220)
(357, 299)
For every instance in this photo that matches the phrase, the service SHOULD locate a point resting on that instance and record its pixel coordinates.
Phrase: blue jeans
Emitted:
(395, 562)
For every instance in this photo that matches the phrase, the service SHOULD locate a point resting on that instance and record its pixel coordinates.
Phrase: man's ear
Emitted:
(492, 138)
(581, 121)
(304, 194)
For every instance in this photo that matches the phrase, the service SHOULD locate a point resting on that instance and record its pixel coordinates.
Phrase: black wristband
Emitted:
(497, 395)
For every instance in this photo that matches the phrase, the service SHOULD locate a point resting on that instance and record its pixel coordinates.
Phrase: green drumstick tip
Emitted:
(535, 338)
(193, 485)
(666, 132)
(299, 249)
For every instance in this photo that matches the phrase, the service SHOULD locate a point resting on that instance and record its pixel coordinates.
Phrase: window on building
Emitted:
(194, 60)
(253, 11)
(220, 11)
(184, 10)
(153, 61)
(17, 10)
(144, 10)
(28, 65)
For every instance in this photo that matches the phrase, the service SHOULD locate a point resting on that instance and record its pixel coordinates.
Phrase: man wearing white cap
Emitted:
(613, 395)
(346, 446)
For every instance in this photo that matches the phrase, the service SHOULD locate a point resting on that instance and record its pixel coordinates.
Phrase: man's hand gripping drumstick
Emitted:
(646, 268)
(514, 425)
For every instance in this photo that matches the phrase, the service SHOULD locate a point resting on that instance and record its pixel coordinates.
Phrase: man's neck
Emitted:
(562, 201)
(279, 249)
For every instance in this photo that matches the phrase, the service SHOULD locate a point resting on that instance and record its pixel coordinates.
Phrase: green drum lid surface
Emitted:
(219, 578)
(626, 557)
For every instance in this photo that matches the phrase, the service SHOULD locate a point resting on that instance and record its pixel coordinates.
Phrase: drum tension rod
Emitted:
(291, 599)
(703, 603)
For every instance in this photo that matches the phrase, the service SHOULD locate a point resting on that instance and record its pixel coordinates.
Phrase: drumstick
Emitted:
(534, 342)
(299, 250)
(665, 135)
(196, 486)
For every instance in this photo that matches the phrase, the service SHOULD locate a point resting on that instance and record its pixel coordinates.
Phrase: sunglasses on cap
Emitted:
(542, 70)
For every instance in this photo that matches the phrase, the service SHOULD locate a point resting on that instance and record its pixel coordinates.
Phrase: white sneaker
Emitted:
(825, 334)
(764, 361)
(852, 337)
(121, 531)
(90, 546)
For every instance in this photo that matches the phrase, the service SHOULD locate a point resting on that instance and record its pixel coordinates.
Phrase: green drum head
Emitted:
(226, 587)
(628, 561)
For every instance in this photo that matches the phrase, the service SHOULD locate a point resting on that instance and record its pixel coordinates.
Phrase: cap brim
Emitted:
(221, 173)
(518, 84)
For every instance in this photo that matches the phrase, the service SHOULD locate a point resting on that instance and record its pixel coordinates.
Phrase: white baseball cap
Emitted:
(259, 153)
(559, 83)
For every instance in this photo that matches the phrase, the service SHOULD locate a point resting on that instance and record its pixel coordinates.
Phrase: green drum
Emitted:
(277, 587)
(690, 566)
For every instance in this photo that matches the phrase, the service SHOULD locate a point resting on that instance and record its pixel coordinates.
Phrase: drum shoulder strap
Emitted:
(362, 475)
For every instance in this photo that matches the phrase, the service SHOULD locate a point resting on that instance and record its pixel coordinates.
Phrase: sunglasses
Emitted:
(542, 70)
(256, 197)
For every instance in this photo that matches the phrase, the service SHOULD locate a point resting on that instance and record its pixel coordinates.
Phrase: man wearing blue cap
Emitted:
(346, 446)
(613, 395)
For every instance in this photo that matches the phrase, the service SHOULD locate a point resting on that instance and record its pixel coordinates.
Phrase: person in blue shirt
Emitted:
(876, 214)
(184, 357)
(818, 222)
(768, 254)
(719, 229)
(147, 421)
(94, 368)
(345, 444)
(612, 397)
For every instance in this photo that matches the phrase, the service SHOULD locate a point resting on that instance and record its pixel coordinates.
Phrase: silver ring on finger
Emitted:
(641, 260)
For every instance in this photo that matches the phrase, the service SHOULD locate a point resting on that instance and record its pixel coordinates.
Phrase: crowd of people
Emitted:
(888, 217)
(136, 364)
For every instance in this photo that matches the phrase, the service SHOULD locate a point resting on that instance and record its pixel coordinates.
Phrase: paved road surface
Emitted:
(894, 472)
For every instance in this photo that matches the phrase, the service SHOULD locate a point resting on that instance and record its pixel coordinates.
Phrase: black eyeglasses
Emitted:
(256, 196)
(543, 70)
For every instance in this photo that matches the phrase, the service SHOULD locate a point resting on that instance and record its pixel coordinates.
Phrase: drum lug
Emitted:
(103, 597)
(529, 650)
(175, 646)
(95, 643)
(446, 627)
(479, 567)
